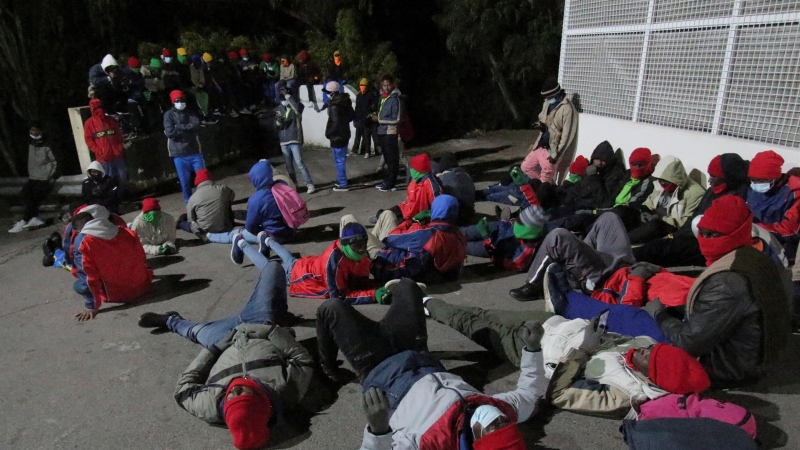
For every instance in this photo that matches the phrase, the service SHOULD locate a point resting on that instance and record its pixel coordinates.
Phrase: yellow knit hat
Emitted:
(182, 52)
(207, 57)
(363, 82)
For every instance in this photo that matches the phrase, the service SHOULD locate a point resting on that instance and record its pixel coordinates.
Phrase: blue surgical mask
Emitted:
(167, 59)
(761, 188)
(180, 106)
(552, 101)
(285, 102)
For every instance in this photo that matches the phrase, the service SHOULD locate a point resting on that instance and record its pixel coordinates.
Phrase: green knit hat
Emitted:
(155, 62)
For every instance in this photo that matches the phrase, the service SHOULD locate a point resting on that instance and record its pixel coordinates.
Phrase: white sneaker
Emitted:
(34, 223)
(422, 286)
(18, 227)
(424, 308)
(310, 189)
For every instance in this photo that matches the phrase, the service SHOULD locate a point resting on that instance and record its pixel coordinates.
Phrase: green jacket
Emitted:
(266, 353)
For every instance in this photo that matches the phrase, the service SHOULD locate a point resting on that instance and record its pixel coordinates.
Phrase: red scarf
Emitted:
(715, 248)
(720, 188)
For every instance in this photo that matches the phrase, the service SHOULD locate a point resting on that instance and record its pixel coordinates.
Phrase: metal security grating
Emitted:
(725, 67)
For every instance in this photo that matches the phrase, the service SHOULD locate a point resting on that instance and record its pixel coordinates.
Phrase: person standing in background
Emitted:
(41, 176)
(340, 114)
(182, 129)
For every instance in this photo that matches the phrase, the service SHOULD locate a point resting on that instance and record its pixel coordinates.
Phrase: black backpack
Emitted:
(685, 434)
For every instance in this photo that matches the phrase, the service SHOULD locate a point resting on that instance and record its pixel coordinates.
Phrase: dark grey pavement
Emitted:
(107, 384)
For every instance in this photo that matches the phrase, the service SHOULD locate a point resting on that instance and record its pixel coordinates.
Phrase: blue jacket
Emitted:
(263, 213)
(181, 129)
(389, 113)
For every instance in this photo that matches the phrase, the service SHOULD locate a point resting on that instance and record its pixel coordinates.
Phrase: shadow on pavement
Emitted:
(165, 287)
(325, 211)
(159, 262)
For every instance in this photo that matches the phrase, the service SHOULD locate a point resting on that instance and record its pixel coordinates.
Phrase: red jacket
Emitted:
(625, 289)
(420, 195)
(110, 261)
(332, 275)
(103, 134)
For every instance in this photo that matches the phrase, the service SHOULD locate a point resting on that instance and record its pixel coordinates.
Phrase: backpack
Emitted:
(685, 434)
(692, 406)
(293, 208)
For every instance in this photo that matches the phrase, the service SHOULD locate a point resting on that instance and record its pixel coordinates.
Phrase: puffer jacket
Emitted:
(41, 161)
(686, 197)
(153, 236)
(266, 353)
(209, 208)
(599, 190)
(779, 212)
(182, 129)
(737, 318)
(562, 124)
(429, 415)
(332, 275)
(263, 213)
(340, 114)
(623, 288)
(292, 130)
(599, 384)
(102, 134)
(420, 195)
(389, 113)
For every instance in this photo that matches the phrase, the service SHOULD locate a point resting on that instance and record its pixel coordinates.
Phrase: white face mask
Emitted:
(167, 59)
(36, 137)
(180, 106)
(285, 102)
(761, 188)
(552, 101)
(245, 58)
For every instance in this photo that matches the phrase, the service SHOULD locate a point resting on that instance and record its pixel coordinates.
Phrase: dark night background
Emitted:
(463, 64)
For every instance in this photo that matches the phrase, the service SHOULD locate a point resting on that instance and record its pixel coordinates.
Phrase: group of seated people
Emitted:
(618, 330)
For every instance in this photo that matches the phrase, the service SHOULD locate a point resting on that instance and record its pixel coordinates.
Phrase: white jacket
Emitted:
(151, 236)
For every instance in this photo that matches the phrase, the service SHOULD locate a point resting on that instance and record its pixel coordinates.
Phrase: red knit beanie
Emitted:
(766, 165)
(715, 167)
(247, 416)
(133, 62)
(150, 204)
(243, 52)
(506, 438)
(578, 167)
(641, 154)
(676, 371)
(303, 56)
(201, 176)
(421, 163)
(266, 57)
(730, 216)
(233, 55)
(165, 52)
(176, 94)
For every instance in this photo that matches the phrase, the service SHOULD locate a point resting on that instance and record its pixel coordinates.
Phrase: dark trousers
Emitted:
(649, 231)
(33, 194)
(366, 343)
(391, 155)
(364, 133)
(682, 249)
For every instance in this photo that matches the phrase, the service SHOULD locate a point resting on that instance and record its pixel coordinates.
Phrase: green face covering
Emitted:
(625, 195)
(417, 175)
(152, 217)
(572, 178)
(351, 254)
(183, 59)
(527, 233)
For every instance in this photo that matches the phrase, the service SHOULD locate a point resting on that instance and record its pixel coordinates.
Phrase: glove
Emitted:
(531, 333)
(170, 249)
(551, 160)
(517, 176)
(654, 307)
(483, 227)
(376, 408)
(649, 216)
(161, 250)
(591, 170)
(644, 270)
(592, 336)
(383, 296)
(422, 215)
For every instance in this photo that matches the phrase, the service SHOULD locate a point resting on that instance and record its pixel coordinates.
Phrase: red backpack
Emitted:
(693, 406)
(293, 208)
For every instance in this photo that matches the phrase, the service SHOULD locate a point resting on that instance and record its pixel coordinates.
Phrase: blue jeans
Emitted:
(622, 319)
(340, 158)
(292, 151)
(260, 261)
(227, 238)
(186, 165)
(119, 171)
(267, 304)
(499, 193)
(475, 240)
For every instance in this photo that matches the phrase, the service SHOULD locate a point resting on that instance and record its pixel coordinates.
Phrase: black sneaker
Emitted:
(340, 188)
(528, 292)
(384, 188)
(155, 320)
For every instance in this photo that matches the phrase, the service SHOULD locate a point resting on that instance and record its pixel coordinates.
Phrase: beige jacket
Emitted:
(154, 236)
(685, 198)
(562, 123)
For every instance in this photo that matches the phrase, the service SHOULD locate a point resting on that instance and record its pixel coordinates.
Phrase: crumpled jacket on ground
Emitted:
(684, 199)
(153, 236)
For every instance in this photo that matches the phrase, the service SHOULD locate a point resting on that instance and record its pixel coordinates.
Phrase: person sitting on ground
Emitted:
(674, 198)
(209, 208)
(109, 263)
(428, 247)
(41, 177)
(577, 170)
(155, 228)
(510, 244)
(426, 402)
(456, 181)
(341, 271)
(774, 199)
(607, 374)
(515, 190)
(100, 189)
(599, 185)
(249, 370)
(727, 175)
(590, 261)
(422, 190)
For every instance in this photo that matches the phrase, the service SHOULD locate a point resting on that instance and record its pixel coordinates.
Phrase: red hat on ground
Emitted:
(506, 438)
(201, 176)
(715, 167)
(165, 52)
(729, 216)
(243, 52)
(421, 163)
(676, 371)
(247, 416)
(133, 62)
(150, 204)
(266, 57)
(578, 167)
(767, 165)
(233, 55)
(176, 94)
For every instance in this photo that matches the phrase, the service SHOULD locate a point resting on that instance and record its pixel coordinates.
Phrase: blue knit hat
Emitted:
(533, 216)
(353, 232)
